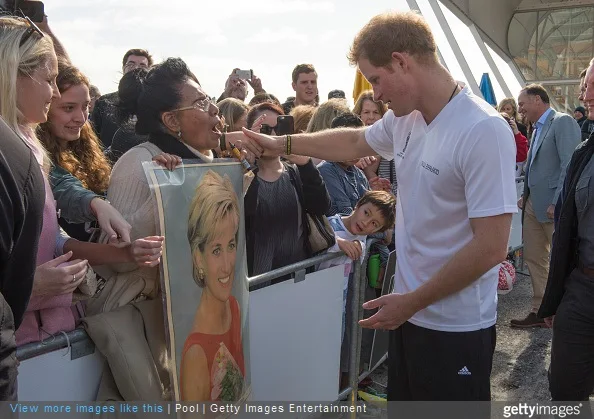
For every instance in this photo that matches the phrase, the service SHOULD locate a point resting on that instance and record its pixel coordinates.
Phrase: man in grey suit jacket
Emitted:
(555, 137)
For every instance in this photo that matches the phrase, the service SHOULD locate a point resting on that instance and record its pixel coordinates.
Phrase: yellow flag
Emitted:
(361, 84)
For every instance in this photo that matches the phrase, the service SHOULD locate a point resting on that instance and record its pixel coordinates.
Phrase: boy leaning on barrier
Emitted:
(375, 212)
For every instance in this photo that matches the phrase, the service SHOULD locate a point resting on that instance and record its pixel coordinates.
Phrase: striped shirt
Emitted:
(387, 170)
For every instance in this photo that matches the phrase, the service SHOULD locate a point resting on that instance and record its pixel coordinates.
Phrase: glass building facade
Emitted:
(552, 47)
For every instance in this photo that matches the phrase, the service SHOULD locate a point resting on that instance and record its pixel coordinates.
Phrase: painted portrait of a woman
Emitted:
(212, 363)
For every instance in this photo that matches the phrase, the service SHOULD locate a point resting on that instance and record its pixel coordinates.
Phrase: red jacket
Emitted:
(521, 147)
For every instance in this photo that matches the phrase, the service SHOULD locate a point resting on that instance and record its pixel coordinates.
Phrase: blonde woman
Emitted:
(325, 113)
(371, 111)
(509, 107)
(235, 113)
(302, 114)
(212, 365)
(323, 117)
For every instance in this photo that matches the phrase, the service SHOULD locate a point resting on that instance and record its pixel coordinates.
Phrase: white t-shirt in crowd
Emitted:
(341, 231)
(460, 166)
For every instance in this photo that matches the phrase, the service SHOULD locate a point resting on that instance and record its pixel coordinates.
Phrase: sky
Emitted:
(268, 36)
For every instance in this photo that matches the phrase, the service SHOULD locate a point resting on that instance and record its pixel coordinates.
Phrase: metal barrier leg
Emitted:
(355, 350)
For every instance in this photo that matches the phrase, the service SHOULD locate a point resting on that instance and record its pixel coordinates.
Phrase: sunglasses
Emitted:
(30, 31)
(267, 129)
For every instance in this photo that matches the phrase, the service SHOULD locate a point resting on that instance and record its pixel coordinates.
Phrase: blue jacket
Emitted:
(72, 198)
(345, 186)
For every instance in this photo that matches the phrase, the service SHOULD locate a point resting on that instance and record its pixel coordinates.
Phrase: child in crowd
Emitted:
(375, 212)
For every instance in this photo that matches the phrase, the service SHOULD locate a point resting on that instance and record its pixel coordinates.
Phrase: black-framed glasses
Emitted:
(131, 65)
(33, 28)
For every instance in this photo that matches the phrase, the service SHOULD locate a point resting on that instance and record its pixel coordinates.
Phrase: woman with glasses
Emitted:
(179, 120)
(278, 201)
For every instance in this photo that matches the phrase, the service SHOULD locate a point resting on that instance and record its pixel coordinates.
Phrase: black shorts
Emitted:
(425, 364)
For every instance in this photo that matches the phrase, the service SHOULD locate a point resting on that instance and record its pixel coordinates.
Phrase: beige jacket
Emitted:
(132, 339)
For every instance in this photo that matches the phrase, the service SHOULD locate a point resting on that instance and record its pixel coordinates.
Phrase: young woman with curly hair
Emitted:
(70, 140)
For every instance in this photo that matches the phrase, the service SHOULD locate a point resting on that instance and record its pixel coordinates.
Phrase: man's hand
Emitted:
(351, 248)
(267, 145)
(551, 211)
(521, 202)
(549, 321)
(256, 84)
(243, 142)
(394, 310)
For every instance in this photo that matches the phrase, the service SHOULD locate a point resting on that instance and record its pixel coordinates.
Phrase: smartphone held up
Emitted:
(244, 74)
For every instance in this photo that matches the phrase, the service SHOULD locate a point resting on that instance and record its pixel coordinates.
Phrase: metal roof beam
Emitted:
(532, 6)
(455, 47)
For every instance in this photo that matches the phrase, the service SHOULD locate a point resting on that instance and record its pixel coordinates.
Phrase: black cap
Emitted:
(581, 109)
(336, 94)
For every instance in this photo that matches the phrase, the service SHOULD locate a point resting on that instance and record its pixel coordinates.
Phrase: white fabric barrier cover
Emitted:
(295, 337)
(55, 377)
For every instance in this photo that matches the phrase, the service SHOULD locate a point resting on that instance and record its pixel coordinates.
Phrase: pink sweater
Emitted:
(46, 315)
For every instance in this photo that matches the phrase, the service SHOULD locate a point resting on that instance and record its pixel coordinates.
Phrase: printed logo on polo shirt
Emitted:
(464, 371)
(427, 166)
(401, 154)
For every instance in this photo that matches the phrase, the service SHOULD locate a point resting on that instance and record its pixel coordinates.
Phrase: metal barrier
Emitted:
(82, 345)
(299, 269)
(62, 340)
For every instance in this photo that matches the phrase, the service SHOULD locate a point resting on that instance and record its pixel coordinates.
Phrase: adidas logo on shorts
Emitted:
(464, 371)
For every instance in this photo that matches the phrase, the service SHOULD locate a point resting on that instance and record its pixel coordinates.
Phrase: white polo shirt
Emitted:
(460, 166)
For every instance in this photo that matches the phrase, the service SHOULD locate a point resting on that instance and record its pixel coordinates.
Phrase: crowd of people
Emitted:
(428, 170)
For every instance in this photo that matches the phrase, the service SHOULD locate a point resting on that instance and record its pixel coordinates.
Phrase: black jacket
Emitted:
(564, 255)
(313, 197)
(22, 196)
(103, 118)
(587, 129)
